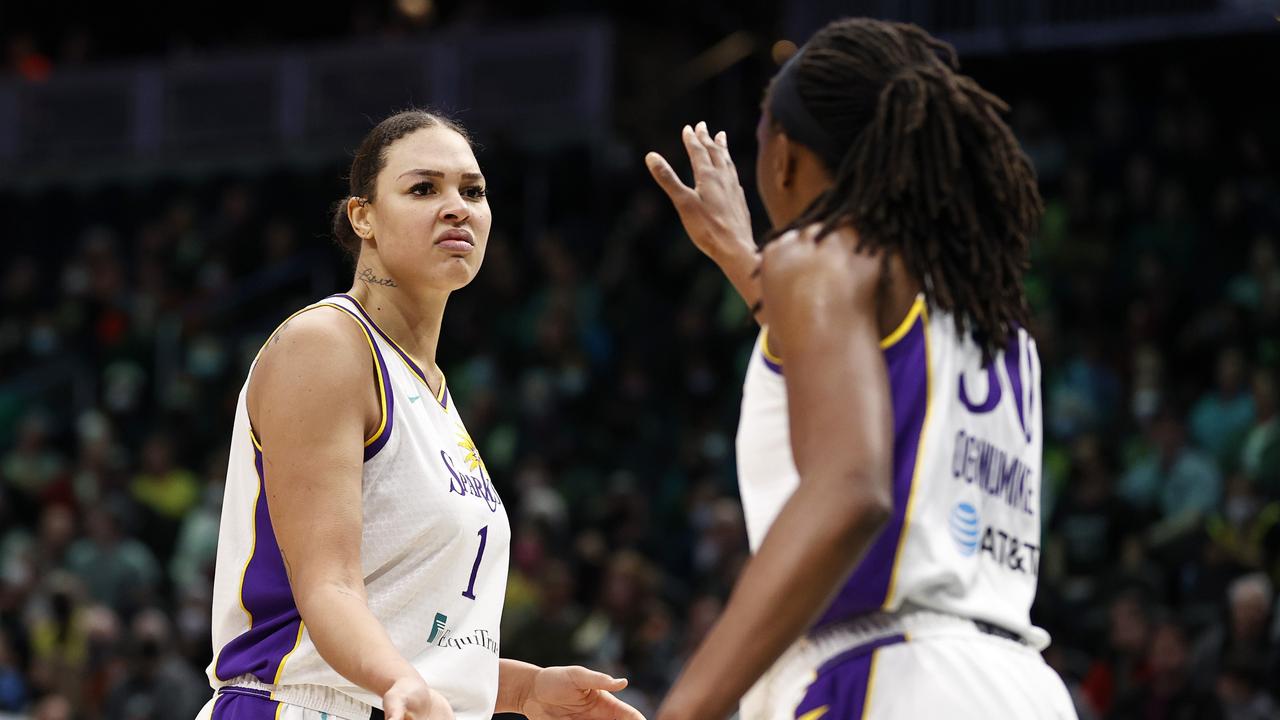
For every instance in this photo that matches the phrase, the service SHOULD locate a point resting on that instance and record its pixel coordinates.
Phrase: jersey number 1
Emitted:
(484, 537)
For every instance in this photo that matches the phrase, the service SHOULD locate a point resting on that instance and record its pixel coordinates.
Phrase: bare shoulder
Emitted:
(317, 358)
(831, 267)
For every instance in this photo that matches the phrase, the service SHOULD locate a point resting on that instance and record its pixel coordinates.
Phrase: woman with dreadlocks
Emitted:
(889, 448)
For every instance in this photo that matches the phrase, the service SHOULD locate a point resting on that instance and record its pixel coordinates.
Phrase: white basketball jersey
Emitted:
(964, 536)
(434, 550)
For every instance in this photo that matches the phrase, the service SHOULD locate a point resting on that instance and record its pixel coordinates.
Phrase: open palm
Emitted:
(576, 693)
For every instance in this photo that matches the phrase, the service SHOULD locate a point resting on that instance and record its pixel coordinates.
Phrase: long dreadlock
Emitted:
(929, 169)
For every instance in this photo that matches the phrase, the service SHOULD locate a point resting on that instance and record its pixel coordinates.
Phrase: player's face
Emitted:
(431, 218)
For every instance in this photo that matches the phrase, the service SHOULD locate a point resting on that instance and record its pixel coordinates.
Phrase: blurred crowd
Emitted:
(597, 360)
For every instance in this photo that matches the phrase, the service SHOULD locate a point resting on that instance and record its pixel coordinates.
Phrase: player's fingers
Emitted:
(667, 179)
(393, 708)
(586, 679)
(722, 146)
(698, 156)
(713, 150)
(717, 147)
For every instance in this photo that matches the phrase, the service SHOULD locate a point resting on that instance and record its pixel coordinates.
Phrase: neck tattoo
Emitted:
(367, 276)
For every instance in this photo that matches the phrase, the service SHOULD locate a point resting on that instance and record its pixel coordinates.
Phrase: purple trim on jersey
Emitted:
(844, 682)
(265, 593)
(372, 448)
(769, 363)
(868, 586)
(444, 401)
(238, 704)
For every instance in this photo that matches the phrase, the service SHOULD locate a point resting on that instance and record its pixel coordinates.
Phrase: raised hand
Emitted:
(576, 693)
(713, 211)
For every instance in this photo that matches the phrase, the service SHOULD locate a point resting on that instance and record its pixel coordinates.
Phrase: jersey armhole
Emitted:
(382, 381)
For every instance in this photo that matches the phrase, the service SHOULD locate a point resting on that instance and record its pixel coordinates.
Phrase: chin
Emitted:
(453, 274)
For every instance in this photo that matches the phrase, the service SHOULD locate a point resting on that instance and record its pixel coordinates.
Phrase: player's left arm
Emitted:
(820, 302)
(557, 693)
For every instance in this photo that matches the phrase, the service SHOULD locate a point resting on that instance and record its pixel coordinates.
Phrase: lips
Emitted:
(456, 235)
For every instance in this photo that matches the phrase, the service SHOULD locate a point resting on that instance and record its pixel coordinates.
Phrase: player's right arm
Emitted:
(312, 402)
(714, 211)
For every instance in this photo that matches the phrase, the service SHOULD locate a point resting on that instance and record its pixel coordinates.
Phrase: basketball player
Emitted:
(889, 445)
(362, 556)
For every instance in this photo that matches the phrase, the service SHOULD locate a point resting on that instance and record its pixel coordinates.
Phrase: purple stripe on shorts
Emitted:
(372, 448)
(843, 682)
(239, 705)
(868, 586)
(234, 689)
(265, 593)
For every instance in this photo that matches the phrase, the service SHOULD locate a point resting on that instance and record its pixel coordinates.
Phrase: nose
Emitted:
(454, 209)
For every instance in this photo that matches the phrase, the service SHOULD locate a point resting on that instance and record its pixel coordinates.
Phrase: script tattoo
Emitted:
(367, 275)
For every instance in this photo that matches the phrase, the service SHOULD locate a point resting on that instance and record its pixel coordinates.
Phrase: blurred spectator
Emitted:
(1171, 477)
(58, 636)
(32, 467)
(1123, 665)
(1244, 634)
(53, 707)
(1090, 528)
(1241, 693)
(1260, 452)
(196, 547)
(118, 571)
(1245, 532)
(157, 683)
(1221, 417)
(13, 686)
(1170, 692)
(166, 492)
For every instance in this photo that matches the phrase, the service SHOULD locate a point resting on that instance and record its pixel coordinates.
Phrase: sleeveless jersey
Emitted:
(964, 535)
(434, 550)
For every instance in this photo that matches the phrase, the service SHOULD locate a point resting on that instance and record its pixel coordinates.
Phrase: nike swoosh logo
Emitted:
(414, 398)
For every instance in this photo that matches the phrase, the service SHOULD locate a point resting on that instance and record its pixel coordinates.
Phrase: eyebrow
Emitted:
(438, 174)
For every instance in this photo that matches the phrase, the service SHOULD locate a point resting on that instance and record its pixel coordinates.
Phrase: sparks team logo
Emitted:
(438, 626)
(964, 528)
(472, 457)
(471, 477)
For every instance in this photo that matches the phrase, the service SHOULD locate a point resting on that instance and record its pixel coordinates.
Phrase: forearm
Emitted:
(350, 638)
(809, 552)
(515, 679)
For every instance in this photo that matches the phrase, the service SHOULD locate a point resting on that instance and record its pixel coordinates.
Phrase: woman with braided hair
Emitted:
(889, 447)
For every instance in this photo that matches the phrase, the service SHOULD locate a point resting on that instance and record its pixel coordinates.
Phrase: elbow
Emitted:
(867, 507)
(876, 507)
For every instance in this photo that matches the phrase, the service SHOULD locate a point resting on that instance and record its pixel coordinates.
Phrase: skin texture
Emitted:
(823, 303)
(312, 417)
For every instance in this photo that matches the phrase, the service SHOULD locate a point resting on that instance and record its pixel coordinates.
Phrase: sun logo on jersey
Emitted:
(472, 457)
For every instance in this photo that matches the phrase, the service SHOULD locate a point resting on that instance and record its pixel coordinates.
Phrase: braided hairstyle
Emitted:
(369, 159)
(929, 169)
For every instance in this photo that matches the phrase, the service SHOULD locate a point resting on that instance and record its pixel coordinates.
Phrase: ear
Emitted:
(784, 162)
(360, 213)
